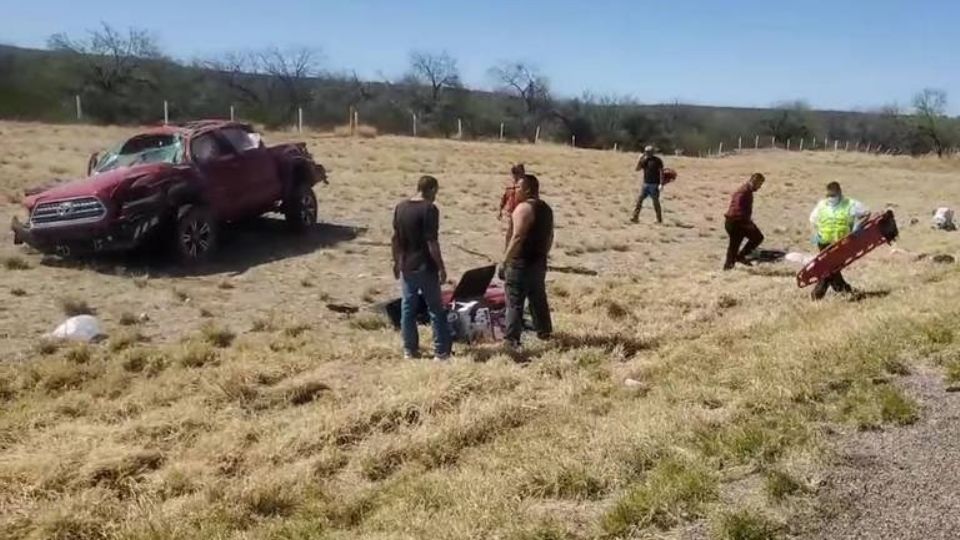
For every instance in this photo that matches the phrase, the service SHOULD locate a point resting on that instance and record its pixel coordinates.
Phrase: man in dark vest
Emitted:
(525, 262)
(652, 168)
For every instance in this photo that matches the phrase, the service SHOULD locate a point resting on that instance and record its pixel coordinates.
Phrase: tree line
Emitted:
(123, 77)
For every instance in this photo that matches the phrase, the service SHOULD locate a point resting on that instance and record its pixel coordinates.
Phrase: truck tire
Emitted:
(195, 236)
(300, 208)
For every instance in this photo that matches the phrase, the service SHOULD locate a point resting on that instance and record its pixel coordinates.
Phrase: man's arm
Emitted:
(431, 234)
(522, 220)
(395, 248)
(643, 159)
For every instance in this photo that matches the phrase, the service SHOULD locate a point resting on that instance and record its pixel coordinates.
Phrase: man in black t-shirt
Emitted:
(652, 167)
(525, 262)
(418, 264)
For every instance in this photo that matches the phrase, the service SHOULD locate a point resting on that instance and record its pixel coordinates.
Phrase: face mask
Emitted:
(833, 200)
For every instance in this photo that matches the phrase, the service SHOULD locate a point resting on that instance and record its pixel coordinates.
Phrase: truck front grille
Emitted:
(67, 212)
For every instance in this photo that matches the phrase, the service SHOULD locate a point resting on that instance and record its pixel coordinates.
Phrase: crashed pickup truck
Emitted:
(175, 184)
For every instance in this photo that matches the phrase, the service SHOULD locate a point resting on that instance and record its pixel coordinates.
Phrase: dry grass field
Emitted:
(244, 408)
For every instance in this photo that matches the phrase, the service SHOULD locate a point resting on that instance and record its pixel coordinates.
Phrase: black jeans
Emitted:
(834, 280)
(524, 282)
(737, 230)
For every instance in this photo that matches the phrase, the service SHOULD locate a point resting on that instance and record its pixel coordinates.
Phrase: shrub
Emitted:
(216, 335)
(15, 263)
(72, 307)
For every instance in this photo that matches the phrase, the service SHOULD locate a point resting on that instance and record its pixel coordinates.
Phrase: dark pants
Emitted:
(738, 230)
(527, 282)
(835, 280)
(652, 191)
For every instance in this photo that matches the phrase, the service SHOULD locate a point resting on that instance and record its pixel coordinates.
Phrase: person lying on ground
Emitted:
(525, 262)
(739, 223)
(832, 219)
(418, 264)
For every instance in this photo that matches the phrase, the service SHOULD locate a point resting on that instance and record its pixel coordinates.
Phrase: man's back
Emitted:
(536, 245)
(416, 223)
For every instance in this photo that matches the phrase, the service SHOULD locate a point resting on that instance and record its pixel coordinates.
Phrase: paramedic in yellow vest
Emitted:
(832, 219)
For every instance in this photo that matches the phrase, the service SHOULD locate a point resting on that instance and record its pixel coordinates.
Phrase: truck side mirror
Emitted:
(92, 162)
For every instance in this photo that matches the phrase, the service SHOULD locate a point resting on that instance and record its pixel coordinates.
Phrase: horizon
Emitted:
(871, 65)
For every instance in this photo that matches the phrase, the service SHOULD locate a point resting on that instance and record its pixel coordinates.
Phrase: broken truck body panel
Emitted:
(136, 188)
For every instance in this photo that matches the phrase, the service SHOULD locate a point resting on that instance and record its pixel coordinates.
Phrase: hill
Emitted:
(42, 85)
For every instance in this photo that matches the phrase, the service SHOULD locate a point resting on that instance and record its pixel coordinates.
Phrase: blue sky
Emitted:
(839, 54)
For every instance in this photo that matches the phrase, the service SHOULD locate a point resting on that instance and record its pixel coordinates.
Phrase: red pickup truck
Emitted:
(176, 183)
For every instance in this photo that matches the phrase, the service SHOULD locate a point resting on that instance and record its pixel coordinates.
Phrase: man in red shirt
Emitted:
(508, 201)
(739, 223)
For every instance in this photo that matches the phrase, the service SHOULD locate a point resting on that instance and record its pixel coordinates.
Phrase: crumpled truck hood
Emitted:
(100, 185)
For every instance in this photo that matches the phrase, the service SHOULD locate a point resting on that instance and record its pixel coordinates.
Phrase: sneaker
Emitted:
(411, 355)
(635, 219)
(442, 357)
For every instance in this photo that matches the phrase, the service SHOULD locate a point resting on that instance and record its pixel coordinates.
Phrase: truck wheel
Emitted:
(196, 234)
(300, 209)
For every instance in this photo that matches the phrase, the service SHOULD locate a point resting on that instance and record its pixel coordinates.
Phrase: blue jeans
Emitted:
(423, 284)
(652, 191)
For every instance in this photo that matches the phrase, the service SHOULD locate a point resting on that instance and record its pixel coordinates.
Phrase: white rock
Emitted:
(943, 219)
(79, 328)
(798, 258)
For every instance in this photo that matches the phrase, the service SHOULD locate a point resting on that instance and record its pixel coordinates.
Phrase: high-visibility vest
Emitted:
(835, 222)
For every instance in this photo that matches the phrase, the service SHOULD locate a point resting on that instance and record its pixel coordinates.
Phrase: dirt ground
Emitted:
(245, 408)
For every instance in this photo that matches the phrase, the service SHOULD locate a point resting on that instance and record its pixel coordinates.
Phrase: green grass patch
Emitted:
(676, 490)
(871, 406)
(746, 525)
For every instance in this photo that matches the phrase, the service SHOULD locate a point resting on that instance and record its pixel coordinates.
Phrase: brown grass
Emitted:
(312, 424)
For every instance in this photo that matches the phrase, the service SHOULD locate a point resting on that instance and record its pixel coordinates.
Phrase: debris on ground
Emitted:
(84, 328)
(799, 258)
(943, 219)
(344, 309)
(577, 270)
(944, 259)
(766, 256)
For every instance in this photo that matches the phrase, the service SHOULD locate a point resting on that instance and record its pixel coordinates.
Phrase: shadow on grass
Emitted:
(563, 342)
(243, 245)
(860, 296)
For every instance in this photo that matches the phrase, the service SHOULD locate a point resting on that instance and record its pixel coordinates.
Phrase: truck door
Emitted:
(262, 183)
(222, 174)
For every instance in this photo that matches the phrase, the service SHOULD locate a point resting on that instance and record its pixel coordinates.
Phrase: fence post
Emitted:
(232, 115)
(801, 144)
(573, 141)
(836, 144)
(356, 122)
(459, 128)
(536, 137)
(616, 147)
(773, 141)
(501, 131)
(814, 145)
(299, 119)
(414, 115)
(846, 146)
(868, 148)
(756, 142)
(720, 149)
(79, 108)
(788, 145)
(739, 144)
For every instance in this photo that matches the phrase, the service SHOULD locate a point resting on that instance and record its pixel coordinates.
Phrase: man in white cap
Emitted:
(652, 167)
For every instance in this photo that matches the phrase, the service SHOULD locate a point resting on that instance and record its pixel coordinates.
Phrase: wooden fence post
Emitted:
(773, 141)
(536, 137)
(720, 149)
(756, 142)
(739, 144)
(299, 119)
(459, 128)
(414, 115)
(788, 145)
(79, 108)
(166, 113)
(836, 144)
(573, 141)
(615, 147)
(232, 115)
(501, 131)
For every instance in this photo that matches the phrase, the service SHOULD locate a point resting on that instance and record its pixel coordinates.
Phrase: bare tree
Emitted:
(276, 81)
(437, 72)
(930, 107)
(113, 61)
(525, 82)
